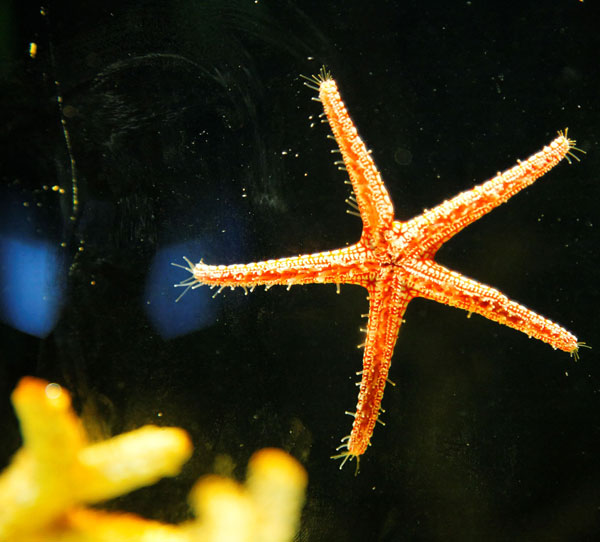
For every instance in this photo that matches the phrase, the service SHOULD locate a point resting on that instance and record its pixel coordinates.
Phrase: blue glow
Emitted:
(32, 285)
(195, 310)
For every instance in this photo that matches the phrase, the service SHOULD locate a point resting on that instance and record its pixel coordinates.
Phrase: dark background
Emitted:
(189, 123)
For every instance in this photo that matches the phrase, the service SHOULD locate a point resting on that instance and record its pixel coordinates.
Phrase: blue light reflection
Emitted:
(32, 284)
(195, 310)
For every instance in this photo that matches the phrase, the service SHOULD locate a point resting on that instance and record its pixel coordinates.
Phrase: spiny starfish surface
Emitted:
(394, 260)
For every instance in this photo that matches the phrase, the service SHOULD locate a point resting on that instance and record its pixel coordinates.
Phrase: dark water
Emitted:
(189, 135)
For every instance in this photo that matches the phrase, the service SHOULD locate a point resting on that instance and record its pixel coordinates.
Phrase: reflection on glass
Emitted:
(32, 279)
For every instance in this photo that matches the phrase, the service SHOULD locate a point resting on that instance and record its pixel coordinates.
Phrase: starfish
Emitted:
(394, 260)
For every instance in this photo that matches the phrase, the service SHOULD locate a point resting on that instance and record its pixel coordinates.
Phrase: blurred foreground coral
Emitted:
(43, 492)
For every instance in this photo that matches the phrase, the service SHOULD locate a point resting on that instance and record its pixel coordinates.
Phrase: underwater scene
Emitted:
(276, 270)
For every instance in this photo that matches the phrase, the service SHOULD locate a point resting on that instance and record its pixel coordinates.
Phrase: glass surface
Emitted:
(135, 133)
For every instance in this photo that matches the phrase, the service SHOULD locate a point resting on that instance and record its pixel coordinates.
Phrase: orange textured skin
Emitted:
(394, 261)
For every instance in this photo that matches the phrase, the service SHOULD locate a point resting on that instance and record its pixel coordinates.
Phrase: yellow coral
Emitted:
(57, 471)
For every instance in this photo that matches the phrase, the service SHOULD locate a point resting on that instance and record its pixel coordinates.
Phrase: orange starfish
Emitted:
(394, 260)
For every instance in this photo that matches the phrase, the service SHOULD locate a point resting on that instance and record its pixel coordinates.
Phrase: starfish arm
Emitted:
(440, 284)
(429, 231)
(349, 265)
(374, 203)
(388, 300)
